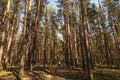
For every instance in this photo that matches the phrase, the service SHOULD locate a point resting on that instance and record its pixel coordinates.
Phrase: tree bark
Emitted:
(24, 37)
(87, 47)
(3, 33)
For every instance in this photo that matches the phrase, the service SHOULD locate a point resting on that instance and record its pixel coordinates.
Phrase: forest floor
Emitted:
(60, 73)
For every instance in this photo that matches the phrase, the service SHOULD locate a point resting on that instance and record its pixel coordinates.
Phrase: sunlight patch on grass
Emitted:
(6, 75)
(26, 78)
(49, 76)
(3, 73)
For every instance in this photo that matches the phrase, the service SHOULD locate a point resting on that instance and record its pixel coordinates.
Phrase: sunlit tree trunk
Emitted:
(12, 30)
(75, 33)
(24, 36)
(3, 33)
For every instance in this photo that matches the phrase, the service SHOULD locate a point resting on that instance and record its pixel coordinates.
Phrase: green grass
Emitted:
(107, 74)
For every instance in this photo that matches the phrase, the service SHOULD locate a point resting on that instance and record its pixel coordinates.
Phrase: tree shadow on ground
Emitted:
(105, 76)
(61, 73)
(117, 67)
(15, 73)
(34, 76)
(77, 74)
(29, 75)
(68, 74)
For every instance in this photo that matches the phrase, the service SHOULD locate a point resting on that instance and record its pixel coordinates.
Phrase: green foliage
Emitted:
(92, 12)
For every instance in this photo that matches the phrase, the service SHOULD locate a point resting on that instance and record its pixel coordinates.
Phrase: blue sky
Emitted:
(52, 2)
(94, 1)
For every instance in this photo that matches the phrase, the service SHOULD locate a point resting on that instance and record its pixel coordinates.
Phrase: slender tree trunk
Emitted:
(24, 36)
(87, 47)
(34, 48)
(12, 30)
(68, 35)
(75, 34)
(81, 41)
(3, 33)
(116, 45)
(45, 40)
(52, 43)
(104, 34)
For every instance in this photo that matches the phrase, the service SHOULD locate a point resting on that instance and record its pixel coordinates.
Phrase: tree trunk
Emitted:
(24, 36)
(3, 33)
(87, 47)
(45, 40)
(104, 34)
(68, 35)
(12, 30)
